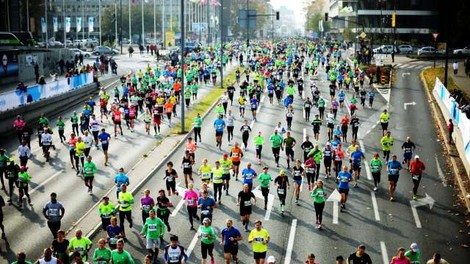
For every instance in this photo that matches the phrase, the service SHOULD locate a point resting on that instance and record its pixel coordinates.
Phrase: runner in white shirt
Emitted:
(88, 140)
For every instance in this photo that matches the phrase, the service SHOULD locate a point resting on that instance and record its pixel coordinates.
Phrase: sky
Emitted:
(296, 6)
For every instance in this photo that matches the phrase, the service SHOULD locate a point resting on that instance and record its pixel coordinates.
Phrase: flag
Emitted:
(55, 24)
(67, 24)
(91, 24)
(79, 24)
(43, 25)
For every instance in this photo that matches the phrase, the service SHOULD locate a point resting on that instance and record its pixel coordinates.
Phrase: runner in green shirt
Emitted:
(197, 123)
(89, 170)
(318, 194)
(102, 254)
(208, 237)
(80, 244)
(153, 230)
(74, 120)
(375, 169)
(289, 144)
(121, 256)
(276, 144)
(61, 127)
(259, 142)
(264, 179)
(106, 210)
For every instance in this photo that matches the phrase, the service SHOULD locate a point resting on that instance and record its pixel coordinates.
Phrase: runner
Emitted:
(236, 154)
(226, 164)
(355, 126)
(375, 169)
(307, 108)
(258, 140)
(241, 105)
(116, 117)
(245, 129)
(53, 211)
(106, 211)
(400, 258)
(46, 143)
(102, 254)
(89, 170)
(298, 175)
(187, 164)
(120, 179)
(414, 254)
(327, 159)
(12, 171)
(230, 236)
(264, 181)
(147, 203)
(416, 168)
(306, 146)
(191, 197)
(344, 127)
(276, 144)
(359, 256)
(230, 122)
(317, 154)
(80, 244)
(254, 103)
(119, 255)
(59, 247)
(393, 168)
(356, 160)
(408, 147)
(289, 117)
(206, 204)
(104, 138)
(205, 171)
(23, 183)
(384, 118)
(163, 211)
(248, 175)
(169, 111)
(289, 144)
(282, 183)
(152, 230)
(60, 127)
(157, 112)
(318, 194)
(224, 100)
(259, 237)
(387, 144)
(344, 177)
(208, 238)
(174, 253)
(74, 119)
(316, 123)
(219, 125)
(338, 156)
(244, 200)
(170, 179)
(125, 201)
(113, 233)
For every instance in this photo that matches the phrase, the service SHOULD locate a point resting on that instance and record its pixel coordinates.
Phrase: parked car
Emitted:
(55, 44)
(386, 49)
(85, 54)
(99, 50)
(405, 49)
(427, 50)
(465, 50)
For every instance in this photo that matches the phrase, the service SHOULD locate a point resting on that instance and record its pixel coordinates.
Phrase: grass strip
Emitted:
(430, 78)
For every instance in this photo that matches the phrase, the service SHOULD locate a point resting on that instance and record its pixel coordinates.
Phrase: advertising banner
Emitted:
(43, 25)
(91, 24)
(67, 24)
(79, 24)
(55, 24)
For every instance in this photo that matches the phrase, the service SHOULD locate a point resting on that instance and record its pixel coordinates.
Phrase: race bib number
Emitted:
(281, 191)
(247, 203)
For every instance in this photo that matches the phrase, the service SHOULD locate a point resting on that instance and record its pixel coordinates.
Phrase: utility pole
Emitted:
(120, 18)
(247, 24)
(182, 64)
(221, 26)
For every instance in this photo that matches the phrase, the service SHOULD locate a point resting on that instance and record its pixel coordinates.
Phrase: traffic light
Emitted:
(326, 16)
(277, 15)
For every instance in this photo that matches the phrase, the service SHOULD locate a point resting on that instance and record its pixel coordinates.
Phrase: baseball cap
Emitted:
(282, 172)
(225, 155)
(414, 247)
(206, 220)
(416, 157)
(265, 168)
(271, 259)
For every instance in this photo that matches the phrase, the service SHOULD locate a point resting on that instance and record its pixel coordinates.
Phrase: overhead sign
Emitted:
(435, 35)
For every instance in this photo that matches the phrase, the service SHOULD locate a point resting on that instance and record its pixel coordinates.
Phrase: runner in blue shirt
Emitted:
(356, 157)
(254, 106)
(230, 237)
(344, 177)
(104, 138)
(120, 179)
(219, 125)
(393, 168)
(248, 174)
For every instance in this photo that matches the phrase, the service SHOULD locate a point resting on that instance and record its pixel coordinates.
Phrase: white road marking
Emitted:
(441, 173)
(290, 243)
(416, 217)
(361, 144)
(258, 110)
(304, 133)
(258, 194)
(193, 243)
(368, 173)
(181, 191)
(383, 248)
(375, 206)
(42, 184)
(335, 197)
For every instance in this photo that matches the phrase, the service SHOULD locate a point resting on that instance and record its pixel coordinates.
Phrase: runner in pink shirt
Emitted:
(191, 197)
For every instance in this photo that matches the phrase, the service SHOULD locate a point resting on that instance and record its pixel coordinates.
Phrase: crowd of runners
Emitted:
(283, 72)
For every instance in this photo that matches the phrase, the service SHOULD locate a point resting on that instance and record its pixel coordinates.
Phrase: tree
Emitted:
(314, 15)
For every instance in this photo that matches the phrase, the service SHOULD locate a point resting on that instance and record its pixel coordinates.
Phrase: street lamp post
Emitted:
(221, 44)
(63, 21)
(130, 24)
(154, 23)
(143, 34)
(45, 18)
(99, 18)
(115, 25)
(120, 18)
(182, 63)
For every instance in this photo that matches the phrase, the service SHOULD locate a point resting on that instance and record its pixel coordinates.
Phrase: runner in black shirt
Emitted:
(244, 201)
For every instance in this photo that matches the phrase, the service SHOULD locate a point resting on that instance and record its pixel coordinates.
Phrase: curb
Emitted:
(140, 184)
(457, 171)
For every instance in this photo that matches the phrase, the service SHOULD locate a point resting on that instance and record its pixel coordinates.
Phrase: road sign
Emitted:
(435, 35)
(363, 35)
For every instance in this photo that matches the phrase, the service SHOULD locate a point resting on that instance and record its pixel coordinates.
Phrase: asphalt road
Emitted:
(27, 229)
(370, 219)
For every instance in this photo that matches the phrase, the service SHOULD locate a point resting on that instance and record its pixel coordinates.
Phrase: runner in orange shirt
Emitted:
(236, 155)
(177, 89)
(168, 110)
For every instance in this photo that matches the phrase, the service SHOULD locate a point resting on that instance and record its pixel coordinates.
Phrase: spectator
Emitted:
(437, 259)
(455, 66)
(36, 72)
(450, 129)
